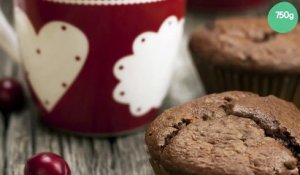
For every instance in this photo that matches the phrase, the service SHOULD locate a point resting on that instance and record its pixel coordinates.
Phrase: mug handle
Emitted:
(8, 38)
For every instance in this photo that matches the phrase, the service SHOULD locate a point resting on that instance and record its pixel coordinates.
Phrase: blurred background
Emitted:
(186, 81)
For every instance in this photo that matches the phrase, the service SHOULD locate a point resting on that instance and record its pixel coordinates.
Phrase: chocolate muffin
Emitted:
(231, 133)
(244, 53)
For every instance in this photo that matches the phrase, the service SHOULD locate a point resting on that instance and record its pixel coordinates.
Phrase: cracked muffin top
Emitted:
(231, 133)
(247, 43)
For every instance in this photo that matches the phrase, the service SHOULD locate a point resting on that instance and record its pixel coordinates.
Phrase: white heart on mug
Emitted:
(145, 75)
(53, 57)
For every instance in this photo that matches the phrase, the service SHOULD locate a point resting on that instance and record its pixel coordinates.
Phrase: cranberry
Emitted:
(47, 164)
(11, 95)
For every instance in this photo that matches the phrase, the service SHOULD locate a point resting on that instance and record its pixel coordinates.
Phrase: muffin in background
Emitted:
(231, 133)
(244, 53)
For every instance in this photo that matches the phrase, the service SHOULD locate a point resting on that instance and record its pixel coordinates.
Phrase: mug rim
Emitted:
(104, 2)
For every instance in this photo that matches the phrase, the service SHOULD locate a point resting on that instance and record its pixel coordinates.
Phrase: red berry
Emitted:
(47, 164)
(11, 95)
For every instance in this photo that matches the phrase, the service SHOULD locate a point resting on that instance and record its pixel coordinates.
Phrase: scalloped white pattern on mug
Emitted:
(52, 57)
(144, 76)
(104, 2)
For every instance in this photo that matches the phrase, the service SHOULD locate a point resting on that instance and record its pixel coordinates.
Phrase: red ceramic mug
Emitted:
(97, 67)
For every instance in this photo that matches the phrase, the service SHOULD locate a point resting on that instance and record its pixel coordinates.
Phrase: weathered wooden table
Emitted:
(21, 134)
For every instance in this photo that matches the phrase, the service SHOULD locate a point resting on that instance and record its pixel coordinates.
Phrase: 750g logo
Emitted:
(283, 17)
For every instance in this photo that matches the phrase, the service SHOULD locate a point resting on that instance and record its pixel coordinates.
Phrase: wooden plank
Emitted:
(86, 156)
(102, 158)
(17, 137)
(2, 141)
(45, 140)
(18, 143)
(77, 153)
(130, 156)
